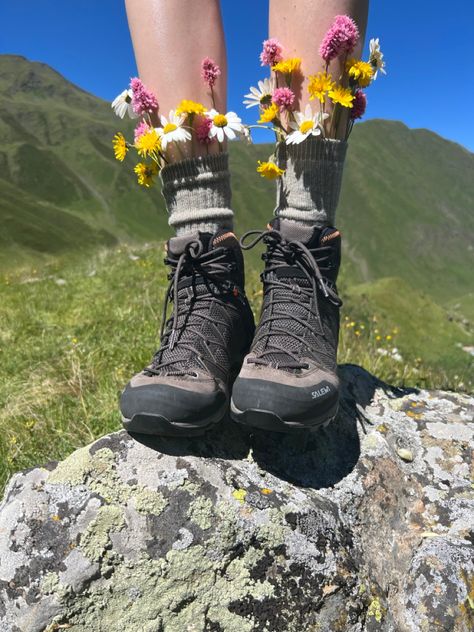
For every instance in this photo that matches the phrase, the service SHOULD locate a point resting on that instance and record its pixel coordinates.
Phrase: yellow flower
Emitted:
(319, 85)
(286, 66)
(145, 173)
(341, 95)
(190, 107)
(120, 146)
(148, 143)
(269, 114)
(378, 337)
(389, 337)
(269, 170)
(361, 71)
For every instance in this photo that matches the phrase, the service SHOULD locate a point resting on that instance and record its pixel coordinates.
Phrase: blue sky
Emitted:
(427, 45)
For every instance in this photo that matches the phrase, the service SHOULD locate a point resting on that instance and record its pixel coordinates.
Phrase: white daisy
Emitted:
(172, 130)
(376, 57)
(261, 95)
(305, 125)
(224, 125)
(122, 105)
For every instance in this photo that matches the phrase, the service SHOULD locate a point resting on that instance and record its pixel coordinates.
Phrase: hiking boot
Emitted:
(185, 389)
(288, 381)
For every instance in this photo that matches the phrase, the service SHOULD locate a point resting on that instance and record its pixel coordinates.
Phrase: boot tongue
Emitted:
(294, 231)
(221, 238)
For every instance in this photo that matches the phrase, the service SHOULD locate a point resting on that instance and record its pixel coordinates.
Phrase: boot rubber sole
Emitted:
(146, 423)
(268, 420)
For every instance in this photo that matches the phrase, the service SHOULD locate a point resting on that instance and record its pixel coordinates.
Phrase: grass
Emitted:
(74, 331)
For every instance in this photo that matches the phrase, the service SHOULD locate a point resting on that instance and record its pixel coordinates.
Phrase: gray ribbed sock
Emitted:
(308, 191)
(197, 193)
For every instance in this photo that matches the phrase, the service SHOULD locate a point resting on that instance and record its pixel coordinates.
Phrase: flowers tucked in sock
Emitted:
(311, 145)
(196, 187)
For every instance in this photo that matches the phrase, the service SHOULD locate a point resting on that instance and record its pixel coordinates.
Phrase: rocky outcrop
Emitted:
(366, 525)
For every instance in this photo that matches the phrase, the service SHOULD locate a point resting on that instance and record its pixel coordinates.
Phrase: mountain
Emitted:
(406, 206)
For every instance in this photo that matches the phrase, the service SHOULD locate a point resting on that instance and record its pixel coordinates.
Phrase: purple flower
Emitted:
(202, 130)
(271, 53)
(341, 38)
(209, 71)
(143, 100)
(141, 128)
(358, 105)
(284, 98)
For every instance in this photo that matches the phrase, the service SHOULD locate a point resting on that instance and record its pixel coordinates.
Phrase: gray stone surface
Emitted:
(366, 525)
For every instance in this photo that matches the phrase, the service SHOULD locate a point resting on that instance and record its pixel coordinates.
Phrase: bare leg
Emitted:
(300, 26)
(170, 38)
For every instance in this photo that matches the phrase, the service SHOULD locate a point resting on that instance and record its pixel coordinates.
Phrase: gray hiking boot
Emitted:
(289, 381)
(185, 389)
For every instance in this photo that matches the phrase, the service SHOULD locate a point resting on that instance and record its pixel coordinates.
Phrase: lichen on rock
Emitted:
(237, 532)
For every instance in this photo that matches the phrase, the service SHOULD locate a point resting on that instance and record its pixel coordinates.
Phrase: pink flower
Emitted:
(202, 130)
(341, 38)
(141, 128)
(284, 98)
(358, 105)
(271, 52)
(143, 100)
(209, 71)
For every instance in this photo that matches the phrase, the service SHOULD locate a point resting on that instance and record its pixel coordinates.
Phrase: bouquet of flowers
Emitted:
(155, 134)
(275, 98)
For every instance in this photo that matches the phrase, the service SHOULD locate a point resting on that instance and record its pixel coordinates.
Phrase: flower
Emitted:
(342, 37)
(358, 105)
(269, 170)
(224, 125)
(261, 95)
(120, 146)
(145, 173)
(284, 98)
(172, 130)
(148, 143)
(319, 85)
(269, 114)
(122, 104)
(203, 128)
(271, 52)
(141, 128)
(209, 71)
(360, 71)
(376, 57)
(143, 100)
(305, 125)
(190, 107)
(287, 66)
(341, 95)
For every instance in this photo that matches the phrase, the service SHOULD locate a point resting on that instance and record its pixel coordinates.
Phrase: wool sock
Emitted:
(197, 194)
(309, 189)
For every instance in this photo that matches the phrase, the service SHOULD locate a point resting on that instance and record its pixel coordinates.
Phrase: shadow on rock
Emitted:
(308, 459)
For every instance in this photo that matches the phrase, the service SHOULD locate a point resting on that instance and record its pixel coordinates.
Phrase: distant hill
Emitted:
(406, 208)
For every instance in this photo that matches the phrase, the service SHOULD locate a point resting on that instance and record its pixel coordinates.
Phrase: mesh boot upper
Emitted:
(300, 311)
(210, 308)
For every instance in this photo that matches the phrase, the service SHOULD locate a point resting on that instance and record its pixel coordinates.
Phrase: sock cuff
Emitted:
(209, 167)
(197, 192)
(314, 149)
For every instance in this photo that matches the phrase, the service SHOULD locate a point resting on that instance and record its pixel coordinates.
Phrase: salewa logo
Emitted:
(320, 392)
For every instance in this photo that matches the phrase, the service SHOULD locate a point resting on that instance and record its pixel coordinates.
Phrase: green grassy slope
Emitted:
(73, 332)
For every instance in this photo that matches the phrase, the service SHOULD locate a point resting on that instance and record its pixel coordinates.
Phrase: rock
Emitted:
(241, 532)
